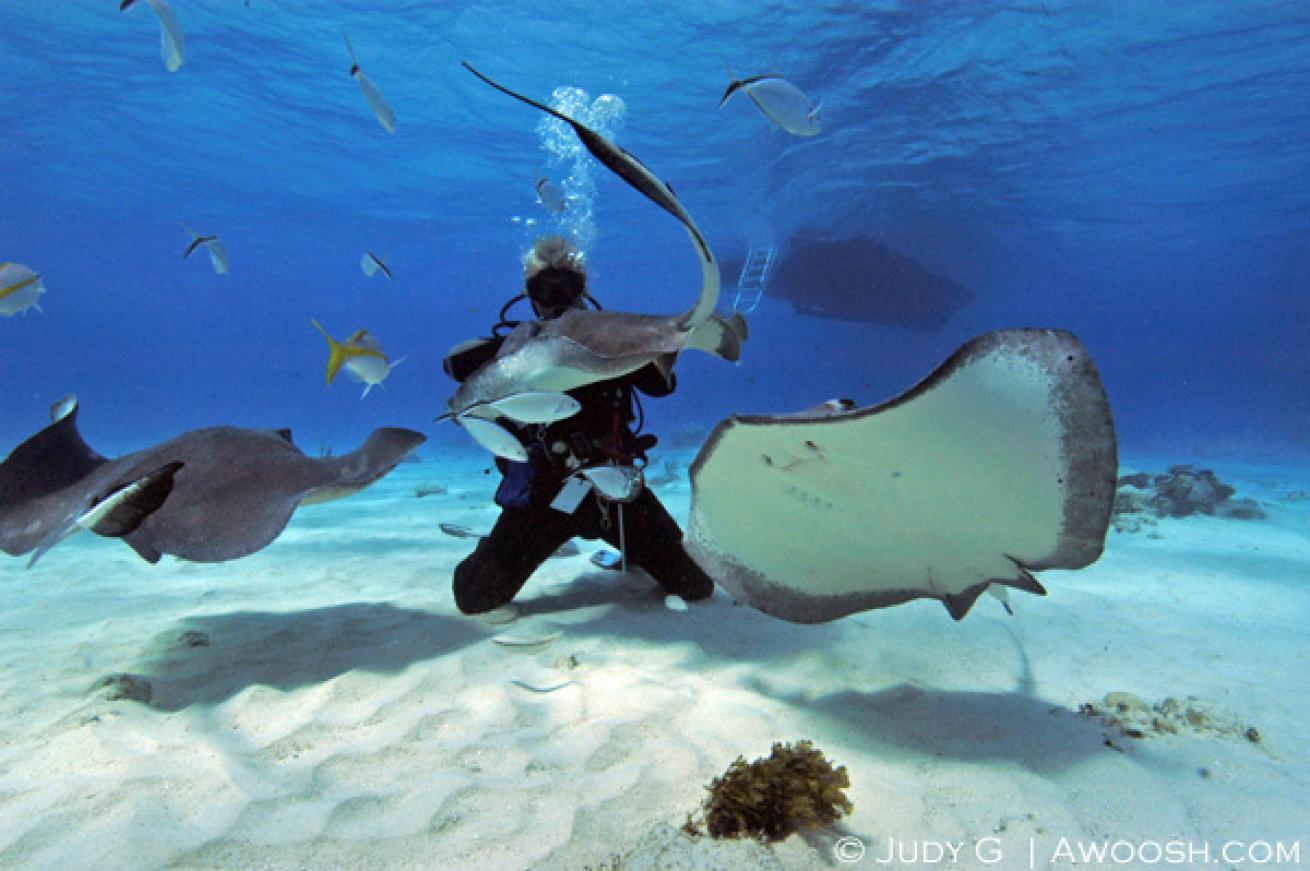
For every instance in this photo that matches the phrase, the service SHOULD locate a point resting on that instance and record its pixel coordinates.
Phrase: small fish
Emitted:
(217, 251)
(378, 103)
(371, 264)
(780, 101)
(615, 483)
(362, 357)
(528, 407)
(456, 530)
(525, 640)
(550, 196)
(20, 288)
(171, 44)
(494, 438)
(541, 689)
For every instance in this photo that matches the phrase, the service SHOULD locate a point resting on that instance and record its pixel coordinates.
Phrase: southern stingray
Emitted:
(1000, 463)
(583, 347)
(208, 495)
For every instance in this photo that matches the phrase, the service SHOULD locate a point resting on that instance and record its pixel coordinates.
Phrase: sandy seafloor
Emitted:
(345, 715)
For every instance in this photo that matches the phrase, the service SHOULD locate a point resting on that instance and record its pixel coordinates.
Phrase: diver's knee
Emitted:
(478, 586)
(698, 589)
(688, 581)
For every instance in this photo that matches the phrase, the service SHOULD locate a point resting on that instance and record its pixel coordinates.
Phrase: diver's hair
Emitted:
(553, 252)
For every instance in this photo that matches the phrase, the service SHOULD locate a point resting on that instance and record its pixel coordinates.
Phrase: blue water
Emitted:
(1135, 172)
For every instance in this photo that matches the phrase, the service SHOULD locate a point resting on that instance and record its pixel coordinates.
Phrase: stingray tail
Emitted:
(709, 285)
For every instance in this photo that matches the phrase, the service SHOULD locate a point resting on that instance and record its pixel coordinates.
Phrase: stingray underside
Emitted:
(1001, 462)
(584, 347)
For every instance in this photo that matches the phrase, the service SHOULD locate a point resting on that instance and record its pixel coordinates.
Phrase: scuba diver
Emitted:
(537, 516)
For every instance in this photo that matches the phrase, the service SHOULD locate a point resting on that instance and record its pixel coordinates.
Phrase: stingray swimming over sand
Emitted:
(208, 495)
(1001, 462)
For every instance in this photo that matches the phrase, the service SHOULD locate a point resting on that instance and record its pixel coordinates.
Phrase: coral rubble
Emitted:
(1182, 491)
(794, 789)
(1133, 717)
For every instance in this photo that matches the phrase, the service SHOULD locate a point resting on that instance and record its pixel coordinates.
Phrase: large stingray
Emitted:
(1000, 463)
(583, 347)
(208, 495)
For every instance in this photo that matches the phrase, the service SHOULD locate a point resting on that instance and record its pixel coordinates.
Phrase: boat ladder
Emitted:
(754, 275)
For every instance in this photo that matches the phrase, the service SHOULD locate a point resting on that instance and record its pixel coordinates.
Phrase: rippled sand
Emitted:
(323, 704)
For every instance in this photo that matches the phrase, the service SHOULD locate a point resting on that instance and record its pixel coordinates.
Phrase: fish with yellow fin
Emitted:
(20, 288)
(361, 355)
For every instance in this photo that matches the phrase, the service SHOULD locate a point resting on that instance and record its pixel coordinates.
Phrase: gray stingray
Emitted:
(1000, 463)
(208, 495)
(584, 347)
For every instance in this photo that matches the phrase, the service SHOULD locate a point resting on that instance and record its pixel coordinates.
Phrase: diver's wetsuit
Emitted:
(528, 530)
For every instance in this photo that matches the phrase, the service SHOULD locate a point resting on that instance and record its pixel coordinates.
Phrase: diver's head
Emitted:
(555, 277)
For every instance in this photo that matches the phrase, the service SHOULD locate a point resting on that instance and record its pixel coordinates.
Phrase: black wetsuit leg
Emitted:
(654, 542)
(520, 541)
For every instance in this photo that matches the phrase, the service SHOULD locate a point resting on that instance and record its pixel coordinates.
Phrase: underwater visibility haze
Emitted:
(267, 215)
(1132, 172)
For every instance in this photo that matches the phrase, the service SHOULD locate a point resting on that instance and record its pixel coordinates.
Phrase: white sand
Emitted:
(343, 714)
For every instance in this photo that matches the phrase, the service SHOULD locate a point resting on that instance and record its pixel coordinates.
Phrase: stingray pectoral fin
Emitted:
(49, 461)
(1022, 580)
(1001, 462)
(665, 363)
(143, 550)
(958, 604)
(720, 336)
(737, 322)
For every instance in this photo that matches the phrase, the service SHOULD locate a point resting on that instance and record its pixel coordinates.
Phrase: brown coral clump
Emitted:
(794, 789)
